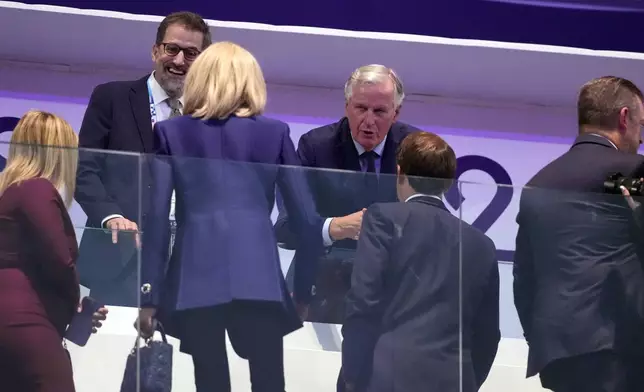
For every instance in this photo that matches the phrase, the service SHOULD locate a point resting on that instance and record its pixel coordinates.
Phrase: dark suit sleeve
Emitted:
(638, 213)
(46, 216)
(487, 334)
(156, 233)
(90, 191)
(304, 223)
(522, 270)
(364, 305)
(286, 236)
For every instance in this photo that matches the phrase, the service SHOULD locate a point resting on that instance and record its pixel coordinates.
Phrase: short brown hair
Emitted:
(425, 158)
(602, 99)
(189, 20)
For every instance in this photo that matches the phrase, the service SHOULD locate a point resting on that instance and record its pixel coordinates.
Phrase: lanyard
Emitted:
(153, 110)
(153, 116)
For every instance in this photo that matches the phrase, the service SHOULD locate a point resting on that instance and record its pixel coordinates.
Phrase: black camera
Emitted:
(614, 182)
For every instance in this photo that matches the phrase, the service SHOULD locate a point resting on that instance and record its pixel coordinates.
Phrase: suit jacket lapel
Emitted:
(140, 104)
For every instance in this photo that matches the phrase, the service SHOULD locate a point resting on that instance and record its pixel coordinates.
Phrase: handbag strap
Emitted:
(159, 327)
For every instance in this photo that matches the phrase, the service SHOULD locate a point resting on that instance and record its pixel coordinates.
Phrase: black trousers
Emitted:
(603, 371)
(255, 329)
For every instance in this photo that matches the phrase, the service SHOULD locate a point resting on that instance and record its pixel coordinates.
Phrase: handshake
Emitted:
(346, 227)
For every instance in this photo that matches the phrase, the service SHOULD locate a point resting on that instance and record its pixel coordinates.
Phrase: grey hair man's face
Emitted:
(371, 112)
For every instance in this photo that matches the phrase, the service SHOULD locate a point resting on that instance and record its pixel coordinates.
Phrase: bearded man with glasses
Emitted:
(111, 187)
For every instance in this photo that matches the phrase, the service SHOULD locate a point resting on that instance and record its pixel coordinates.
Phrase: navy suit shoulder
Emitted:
(266, 124)
(399, 212)
(115, 88)
(326, 138)
(257, 139)
(591, 159)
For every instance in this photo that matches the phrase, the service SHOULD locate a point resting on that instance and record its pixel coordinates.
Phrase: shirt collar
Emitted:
(605, 138)
(158, 93)
(414, 196)
(378, 149)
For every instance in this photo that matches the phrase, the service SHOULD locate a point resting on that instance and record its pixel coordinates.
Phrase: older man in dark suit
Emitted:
(112, 187)
(578, 281)
(362, 144)
(423, 309)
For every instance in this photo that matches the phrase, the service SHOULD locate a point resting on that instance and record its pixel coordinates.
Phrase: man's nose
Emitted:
(369, 117)
(179, 59)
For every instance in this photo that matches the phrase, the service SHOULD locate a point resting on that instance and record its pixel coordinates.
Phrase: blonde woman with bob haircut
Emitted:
(39, 290)
(224, 160)
(225, 80)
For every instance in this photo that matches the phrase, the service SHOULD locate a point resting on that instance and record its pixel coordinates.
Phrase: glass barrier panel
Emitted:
(499, 352)
(112, 344)
(109, 193)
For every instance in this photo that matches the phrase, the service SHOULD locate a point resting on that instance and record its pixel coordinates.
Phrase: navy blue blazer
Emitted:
(578, 281)
(225, 174)
(117, 119)
(417, 270)
(342, 193)
(111, 182)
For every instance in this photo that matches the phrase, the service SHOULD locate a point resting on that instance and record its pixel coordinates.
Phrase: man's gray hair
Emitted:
(375, 74)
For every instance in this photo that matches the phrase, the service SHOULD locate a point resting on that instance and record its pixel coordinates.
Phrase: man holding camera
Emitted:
(578, 278)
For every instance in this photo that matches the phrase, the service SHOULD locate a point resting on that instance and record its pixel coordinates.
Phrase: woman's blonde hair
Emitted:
(225, 80)
(43, 145)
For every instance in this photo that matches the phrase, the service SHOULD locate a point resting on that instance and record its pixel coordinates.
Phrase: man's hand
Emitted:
(346, 226)
(629, 199)
(121, 224)
(97, 318)
(146, 324)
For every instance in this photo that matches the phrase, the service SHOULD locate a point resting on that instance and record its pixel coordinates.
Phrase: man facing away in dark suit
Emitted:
(362, 144)
(112, 187)
(424, 296)
(578, 281)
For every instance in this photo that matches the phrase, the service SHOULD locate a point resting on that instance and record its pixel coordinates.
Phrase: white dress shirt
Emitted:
(163, 110)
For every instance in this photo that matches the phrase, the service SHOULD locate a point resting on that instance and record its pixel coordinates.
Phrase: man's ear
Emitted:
(153, 53)
(397, 113)
(624, 115)
(400, 177)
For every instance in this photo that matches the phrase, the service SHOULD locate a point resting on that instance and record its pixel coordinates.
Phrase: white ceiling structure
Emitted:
(303, 56)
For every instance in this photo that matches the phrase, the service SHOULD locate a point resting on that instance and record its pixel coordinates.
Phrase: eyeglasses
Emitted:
(190, 54)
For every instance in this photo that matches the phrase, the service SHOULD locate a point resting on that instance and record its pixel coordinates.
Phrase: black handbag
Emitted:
(155, 366)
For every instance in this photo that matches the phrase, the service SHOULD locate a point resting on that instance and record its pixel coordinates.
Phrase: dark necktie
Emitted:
(369, 157)
(371, 177)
